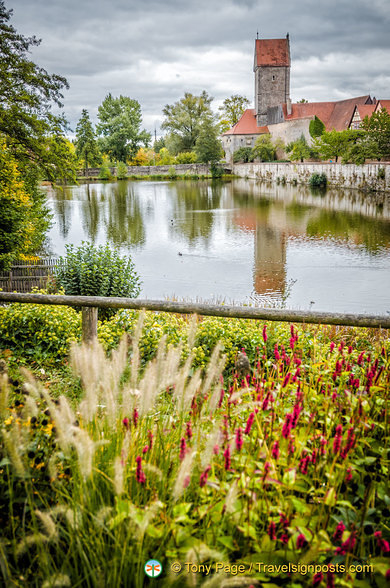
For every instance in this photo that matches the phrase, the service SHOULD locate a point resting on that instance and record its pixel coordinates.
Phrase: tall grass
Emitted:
(287, 464)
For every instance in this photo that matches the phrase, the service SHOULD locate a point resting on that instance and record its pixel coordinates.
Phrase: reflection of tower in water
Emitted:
(269, 275)
(269, 271)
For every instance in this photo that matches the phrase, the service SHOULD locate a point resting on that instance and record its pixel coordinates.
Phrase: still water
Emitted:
(240, 241)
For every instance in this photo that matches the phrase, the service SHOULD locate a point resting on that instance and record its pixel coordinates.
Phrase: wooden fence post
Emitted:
(89, 323)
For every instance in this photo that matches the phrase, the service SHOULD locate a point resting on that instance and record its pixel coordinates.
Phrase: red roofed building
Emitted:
(273, 112)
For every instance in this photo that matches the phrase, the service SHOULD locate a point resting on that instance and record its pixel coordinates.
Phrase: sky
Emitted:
(154, 51)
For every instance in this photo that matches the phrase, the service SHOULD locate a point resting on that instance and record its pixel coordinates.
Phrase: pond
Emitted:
(241, 241)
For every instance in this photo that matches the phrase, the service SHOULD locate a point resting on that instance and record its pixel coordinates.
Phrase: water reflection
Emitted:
(238, 241)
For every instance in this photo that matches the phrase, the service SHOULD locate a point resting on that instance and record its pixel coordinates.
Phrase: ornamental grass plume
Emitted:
(183, 476)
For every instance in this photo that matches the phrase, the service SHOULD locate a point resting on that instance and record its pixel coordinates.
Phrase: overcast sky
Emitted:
(154, 51)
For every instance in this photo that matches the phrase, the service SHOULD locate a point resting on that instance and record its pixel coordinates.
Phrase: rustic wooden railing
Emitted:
(91, 304)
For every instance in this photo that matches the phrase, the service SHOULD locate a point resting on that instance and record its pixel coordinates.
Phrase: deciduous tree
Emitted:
(232, 110)
(120, 127)
(377, 128)
(183, 121)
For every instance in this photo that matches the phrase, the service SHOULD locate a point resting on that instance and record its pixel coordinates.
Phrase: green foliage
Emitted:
(318, 181)
(334, 144)
(232, 110)
(186, 157)
(183, 121)
(158, 144)
(264, 149)
(381, 173)
(97, 271)
(172, 174)
(299, 149)
(316, 127)
(23, 214)
(216, 171)
(86, 142)
(27, 94)
(120, 127)
(38, 331)
(243, 155)
(208, 147)
(377, 128)
(161, 459)
(105, 172)
(121, 171)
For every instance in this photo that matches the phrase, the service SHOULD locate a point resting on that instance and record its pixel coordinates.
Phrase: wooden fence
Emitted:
(91, 304)
(26, 275)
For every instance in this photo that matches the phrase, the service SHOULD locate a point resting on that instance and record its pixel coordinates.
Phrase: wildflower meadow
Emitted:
(257, 466)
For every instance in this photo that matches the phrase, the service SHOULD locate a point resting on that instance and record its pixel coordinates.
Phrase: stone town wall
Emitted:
(148, 170)
(370, 176)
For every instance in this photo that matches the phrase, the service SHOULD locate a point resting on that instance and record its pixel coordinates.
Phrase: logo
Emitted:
(153, 568)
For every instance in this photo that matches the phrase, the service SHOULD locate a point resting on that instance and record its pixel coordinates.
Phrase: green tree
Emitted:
(208, 147)
(232, 110)
(334, 144)
(299, 149)
(316, 127)
(27, 93)
(158, 144)
(183, 121)
(86, 144)
(243, 155)
(377, 129)
(120, 127)
(264, 148)
(22, 222)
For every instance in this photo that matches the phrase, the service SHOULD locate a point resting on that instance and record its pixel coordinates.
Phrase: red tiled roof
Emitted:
(343, 112)
(334, 115)
(247, 125)
(273, 52)
(365, 110)
(383, 104)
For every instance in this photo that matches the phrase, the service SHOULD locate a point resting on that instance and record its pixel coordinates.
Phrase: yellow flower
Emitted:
(9, 420)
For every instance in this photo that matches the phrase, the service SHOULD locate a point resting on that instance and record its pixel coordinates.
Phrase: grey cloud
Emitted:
(155, 51)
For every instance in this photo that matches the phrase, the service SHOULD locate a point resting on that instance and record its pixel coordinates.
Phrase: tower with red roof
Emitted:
(272, 79)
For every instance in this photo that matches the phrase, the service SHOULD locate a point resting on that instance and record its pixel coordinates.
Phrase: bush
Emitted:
(35, 330)
(243, 155)
(186, 157)
(97, 271)
(121, 171)
(105, 172)
(318, 181)
(316, 127)
(172, 175)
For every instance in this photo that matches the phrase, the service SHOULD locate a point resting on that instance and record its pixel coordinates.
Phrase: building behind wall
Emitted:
(275, 114)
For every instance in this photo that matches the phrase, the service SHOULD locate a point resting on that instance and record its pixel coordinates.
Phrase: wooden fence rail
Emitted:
(247, 312)
(27, 274)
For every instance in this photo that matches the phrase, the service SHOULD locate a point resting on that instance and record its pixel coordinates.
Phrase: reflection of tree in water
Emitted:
(372, 233)
(193, 208)
(91, 212)
(62, 209)
(125, 223)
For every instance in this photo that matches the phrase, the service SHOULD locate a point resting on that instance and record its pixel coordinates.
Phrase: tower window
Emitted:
(273, 78)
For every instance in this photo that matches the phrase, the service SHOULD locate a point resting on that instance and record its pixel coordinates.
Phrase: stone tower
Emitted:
(272, 79)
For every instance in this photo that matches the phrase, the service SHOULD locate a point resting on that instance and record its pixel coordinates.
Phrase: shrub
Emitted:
(216, 171)
(42, 332)
(172, 175)
(243, 155)
(105, 172)
(121, 171)
(97, 271)
(186, 157)
(318, 181)
(381, 173)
